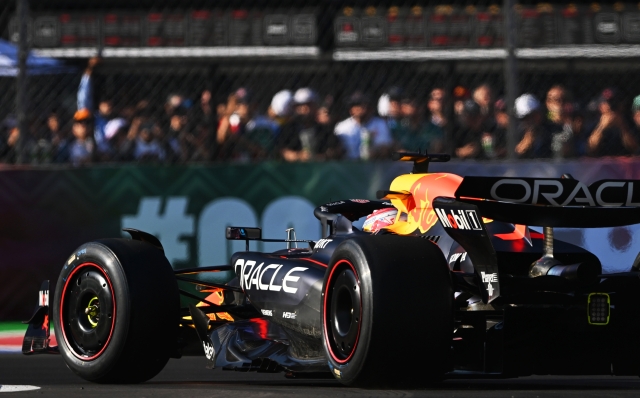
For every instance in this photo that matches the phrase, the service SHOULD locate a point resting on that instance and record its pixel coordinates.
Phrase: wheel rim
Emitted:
(342, 311)
(87, 311)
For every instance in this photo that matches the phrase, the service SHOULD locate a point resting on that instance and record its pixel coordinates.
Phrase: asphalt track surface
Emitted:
(187, 377)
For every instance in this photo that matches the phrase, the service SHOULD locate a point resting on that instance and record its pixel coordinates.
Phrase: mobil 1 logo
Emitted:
(458, 216)
(463, 219)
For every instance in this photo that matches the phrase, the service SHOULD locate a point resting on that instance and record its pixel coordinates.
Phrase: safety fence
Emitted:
(172, 82)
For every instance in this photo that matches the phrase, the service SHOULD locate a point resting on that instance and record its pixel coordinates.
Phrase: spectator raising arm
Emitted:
(224, 125)
(611, 136)
(595, 138)
(99, 117)
(526, 143)
(611, 120)
(85, 90)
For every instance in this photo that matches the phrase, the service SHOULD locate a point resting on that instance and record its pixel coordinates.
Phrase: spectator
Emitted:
(297, 139)
(260, 132)
(535, 138)
(304, 138)
(193, 140)
(173, 102)
(389, 106)
(468, 139)
(460, 95)
(116, 132)
(51, 142)
(611, 136)
(138, 120)
(204, 111)
(242, 133)
(362, 135)
(415, 132)
(483, 96)
(178, 144)
(501, 115)
(435, 105)
(226, 135)
(59, 138)
(395, 105)
(115, 135)
(143, 108)
(494, 142)
(323, 115)
(39, 147)
(100, 117)
(576, 146)
(128, 112)
(221, 113)
(635, 113)
(383, 106)
(147, 147)
(204, 121)
(558, 121)
(281, 107)
(9, 140)
(556, 98)
(82, 149)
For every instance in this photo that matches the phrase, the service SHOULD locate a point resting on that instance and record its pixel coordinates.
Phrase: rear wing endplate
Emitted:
(462, 221)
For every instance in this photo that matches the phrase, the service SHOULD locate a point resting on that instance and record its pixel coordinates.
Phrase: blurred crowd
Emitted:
(560, 127)
(300, 125)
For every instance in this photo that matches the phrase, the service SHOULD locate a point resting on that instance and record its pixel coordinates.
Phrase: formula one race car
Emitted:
(445, 279)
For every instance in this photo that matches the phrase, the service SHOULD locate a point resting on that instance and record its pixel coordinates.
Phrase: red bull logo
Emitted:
(423, 191)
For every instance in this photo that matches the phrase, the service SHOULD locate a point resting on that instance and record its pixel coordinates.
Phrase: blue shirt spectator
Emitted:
(363, 136)
(102, 115)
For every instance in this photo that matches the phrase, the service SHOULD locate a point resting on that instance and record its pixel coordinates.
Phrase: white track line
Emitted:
(16, 388)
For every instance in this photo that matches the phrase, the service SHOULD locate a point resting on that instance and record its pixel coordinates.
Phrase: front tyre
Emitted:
(387, 312)
(116, 310)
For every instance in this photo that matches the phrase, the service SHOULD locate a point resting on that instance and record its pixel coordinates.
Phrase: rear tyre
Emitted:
(387, 312)
(116, 311)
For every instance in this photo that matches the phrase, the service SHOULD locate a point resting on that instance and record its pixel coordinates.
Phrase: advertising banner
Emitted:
(46, 213)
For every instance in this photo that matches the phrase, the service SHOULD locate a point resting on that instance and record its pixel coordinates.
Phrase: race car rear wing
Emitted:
(552, 202)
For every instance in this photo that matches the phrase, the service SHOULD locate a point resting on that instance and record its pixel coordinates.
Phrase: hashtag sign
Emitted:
(169, 226)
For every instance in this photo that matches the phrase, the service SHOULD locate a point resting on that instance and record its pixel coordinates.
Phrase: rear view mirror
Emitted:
(243, 233)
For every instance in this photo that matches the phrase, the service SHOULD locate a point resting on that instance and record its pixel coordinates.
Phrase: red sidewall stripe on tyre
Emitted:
(324, 314)
(62, 310)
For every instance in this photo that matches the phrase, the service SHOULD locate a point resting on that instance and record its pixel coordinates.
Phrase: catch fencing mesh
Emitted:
(171, 81)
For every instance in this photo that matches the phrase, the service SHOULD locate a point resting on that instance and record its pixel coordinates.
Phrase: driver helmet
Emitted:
(380, 219)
